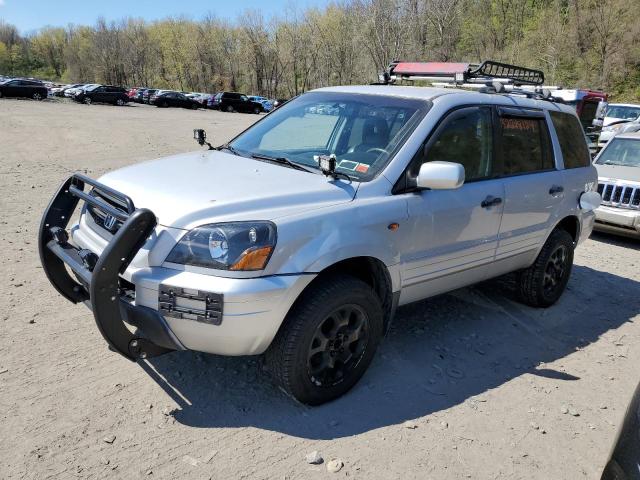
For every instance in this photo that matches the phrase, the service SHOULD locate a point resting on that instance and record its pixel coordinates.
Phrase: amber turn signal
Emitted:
(253, 259)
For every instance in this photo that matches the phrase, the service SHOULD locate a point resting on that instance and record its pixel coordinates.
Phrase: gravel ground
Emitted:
(467, 385)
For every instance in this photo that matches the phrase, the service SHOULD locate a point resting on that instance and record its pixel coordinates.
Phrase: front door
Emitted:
(453, 234)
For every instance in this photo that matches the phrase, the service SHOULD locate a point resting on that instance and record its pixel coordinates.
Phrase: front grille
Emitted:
(619, 195)
(103, 219)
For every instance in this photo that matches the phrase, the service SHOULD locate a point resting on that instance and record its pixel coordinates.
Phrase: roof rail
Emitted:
(461, 73)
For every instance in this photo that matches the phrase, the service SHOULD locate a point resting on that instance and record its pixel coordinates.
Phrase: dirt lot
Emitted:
(483, 379)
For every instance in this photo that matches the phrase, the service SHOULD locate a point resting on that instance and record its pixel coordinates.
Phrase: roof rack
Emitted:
(461, 73)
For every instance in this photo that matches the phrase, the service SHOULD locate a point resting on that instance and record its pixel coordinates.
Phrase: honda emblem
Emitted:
(109, 222)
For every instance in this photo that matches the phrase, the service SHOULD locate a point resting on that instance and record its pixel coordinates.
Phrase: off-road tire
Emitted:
(288, 356)
(531, 281)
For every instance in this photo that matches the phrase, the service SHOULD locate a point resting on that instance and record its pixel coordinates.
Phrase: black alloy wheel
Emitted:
(338, 345)
(555, 270)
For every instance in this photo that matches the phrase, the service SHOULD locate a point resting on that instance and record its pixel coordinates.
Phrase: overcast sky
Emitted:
(30, 15)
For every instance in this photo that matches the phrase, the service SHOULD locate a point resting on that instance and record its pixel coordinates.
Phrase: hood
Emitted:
(614, 172)
(196, 188)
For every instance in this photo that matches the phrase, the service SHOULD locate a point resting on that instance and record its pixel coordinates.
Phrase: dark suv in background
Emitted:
(103, 94)
(19, 87)
(235, 102)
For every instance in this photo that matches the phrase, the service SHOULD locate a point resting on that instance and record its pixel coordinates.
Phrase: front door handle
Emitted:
(556, 189)
(490, 201)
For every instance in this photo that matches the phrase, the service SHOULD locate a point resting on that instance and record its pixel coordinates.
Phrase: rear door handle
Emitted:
(490, 201)
(555, 189)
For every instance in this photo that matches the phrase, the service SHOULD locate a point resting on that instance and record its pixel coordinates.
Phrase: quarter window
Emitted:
(526, 146)
(572, 140)
(466, 138)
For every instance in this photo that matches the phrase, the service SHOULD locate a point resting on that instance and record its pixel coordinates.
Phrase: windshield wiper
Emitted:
(281, 161)
(227, 146)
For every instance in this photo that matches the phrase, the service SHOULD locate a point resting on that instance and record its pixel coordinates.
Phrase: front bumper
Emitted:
(618, 220)
(172, 308)
(97, 279)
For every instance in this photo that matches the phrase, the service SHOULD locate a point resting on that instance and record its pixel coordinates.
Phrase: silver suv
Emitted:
(300, 237)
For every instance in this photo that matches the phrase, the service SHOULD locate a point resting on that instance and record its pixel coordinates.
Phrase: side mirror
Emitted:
(440, 175)
(589, 201)
(200, 136)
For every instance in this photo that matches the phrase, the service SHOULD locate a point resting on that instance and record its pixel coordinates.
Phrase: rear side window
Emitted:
(572, 141)
(526, 146)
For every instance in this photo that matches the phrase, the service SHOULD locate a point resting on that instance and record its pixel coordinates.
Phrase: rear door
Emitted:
(453, 234)
(534, 186)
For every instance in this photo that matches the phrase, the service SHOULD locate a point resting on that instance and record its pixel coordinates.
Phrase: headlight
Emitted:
(240, 246)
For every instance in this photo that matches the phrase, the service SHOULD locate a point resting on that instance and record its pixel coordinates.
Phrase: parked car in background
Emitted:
(174, 99)
(618, 166)
(621, 111)
(139, 96)
(146, 95)
(616, 128)
(71, 92)
(102, 94)
(624, 460)
(265, 102)
(18, 87)
(235, 102)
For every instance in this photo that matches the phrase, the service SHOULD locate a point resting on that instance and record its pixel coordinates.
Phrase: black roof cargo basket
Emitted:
(460, 73)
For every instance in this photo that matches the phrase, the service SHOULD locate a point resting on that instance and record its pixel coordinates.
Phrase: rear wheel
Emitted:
(36, 96)
(0, 94)
(164, 105)
(257, 110)
(542, 284)
(327, 341)
(87, 100)
(229, 108)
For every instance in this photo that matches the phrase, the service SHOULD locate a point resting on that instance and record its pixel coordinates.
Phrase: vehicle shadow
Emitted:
(616, 240)
(439, 353)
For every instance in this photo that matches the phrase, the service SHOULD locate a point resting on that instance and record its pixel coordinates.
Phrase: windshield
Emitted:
(624, 152)
(362, 131)
(627, 113)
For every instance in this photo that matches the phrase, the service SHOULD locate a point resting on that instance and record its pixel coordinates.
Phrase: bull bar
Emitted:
(97, 282)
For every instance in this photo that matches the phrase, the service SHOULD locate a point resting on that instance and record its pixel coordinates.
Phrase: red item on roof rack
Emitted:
(430, 68)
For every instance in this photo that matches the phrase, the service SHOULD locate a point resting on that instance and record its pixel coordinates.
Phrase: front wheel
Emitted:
(120, 102)
(87, 101)
(542, 284)
(327, 341)
(229, 108)
(257, 110)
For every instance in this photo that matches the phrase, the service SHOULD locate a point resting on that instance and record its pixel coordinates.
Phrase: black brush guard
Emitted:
(98, 286)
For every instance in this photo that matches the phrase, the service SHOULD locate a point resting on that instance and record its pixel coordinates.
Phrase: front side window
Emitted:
(624, 152)
(526, 146)
(466, 138)
(362, 131)
(573, 144)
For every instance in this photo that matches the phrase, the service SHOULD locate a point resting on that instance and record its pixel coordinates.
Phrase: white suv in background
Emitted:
(618, 166)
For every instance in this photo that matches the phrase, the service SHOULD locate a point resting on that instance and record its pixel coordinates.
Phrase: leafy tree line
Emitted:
(578, 43)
